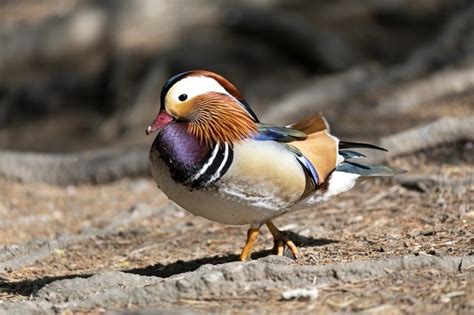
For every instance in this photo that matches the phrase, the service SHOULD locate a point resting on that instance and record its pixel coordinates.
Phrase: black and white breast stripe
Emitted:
(213, 167)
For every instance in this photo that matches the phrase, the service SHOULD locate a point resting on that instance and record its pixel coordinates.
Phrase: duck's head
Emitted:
(211, 107)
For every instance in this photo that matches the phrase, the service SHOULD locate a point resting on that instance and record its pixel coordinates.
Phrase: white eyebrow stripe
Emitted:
(204, 167)
(194, 86)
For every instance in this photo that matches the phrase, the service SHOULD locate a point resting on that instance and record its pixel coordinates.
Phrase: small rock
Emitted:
(213, 277)
(180, 214)
(206, 267)
(183, 285)
(301, 294)
(290, 226)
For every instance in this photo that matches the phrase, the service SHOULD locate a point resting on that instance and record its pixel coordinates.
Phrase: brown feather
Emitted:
(312, 124)
(217, 118)
(319, 147)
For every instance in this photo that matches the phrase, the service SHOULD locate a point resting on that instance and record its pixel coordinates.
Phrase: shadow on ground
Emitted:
(165, 271)
(30, 287)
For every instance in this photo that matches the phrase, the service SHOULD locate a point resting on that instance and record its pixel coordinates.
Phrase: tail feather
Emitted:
(349, 154)
(349, 145)
(367, 170)
(364, 170)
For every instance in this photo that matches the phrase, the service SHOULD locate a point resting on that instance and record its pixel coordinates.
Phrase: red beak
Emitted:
(160, 122)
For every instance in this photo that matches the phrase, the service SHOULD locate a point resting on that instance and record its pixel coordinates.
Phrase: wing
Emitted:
(319, 152)
(310, 141)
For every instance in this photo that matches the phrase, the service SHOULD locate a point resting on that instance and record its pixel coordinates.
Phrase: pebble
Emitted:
(301, 294)
(213, 277)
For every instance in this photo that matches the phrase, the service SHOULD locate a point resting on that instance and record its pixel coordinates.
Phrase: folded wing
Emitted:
(319, 152)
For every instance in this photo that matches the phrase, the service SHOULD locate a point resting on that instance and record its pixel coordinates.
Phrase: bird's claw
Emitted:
(279, 247)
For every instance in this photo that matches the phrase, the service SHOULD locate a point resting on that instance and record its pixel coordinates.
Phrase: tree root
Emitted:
(425, 183)
(95, 167)
(320, 92)
(444, 130)
(437, 86)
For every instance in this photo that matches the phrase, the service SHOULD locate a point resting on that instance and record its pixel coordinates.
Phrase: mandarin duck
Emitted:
(214, 158)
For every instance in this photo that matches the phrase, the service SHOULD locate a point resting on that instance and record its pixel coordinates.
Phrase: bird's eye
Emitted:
(183, 97)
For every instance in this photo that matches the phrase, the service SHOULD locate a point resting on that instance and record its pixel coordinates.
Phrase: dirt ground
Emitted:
(130, 226)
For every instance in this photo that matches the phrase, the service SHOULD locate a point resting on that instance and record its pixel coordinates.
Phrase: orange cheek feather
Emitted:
(218, 118)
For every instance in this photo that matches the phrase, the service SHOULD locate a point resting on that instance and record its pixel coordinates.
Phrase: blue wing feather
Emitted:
(280, 134)
(309, 167)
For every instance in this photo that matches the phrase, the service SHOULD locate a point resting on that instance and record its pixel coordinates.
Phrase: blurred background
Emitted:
(78, 75)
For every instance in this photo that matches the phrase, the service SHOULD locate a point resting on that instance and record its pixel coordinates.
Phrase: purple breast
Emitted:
(181, 151)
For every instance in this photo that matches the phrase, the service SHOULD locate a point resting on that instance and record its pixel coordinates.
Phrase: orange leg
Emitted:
(252, 234)
(280, 240)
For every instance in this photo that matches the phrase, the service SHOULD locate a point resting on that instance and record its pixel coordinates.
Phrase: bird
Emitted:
(213, 157)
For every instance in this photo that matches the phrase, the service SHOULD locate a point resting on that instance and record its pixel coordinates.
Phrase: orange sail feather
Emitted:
(319, 147)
